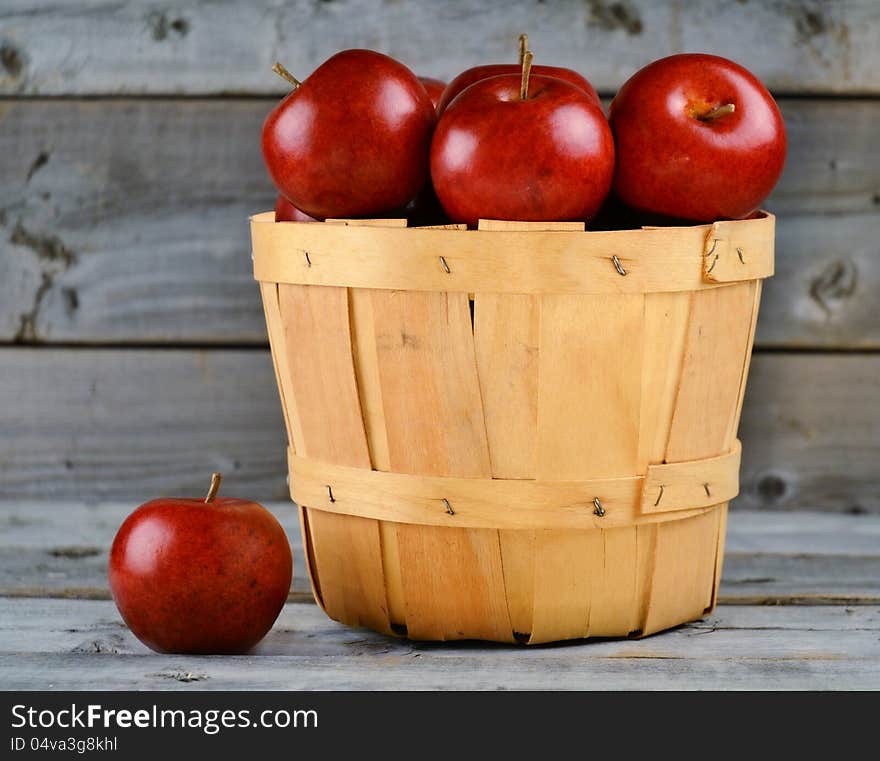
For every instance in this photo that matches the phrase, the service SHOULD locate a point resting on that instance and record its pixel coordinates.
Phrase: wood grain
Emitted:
(108, 219)
(318, 347)
(506, 338)
(682, 581)
(513, 503)
(62, 644)
(716, 352)
(59, 549)
(589, 428)
(452, 578)
(506, 342)
(108, 212)
(716, 347)
(810, 433)
(133, 424)
(827, 269)
(137, 424)
(365, 354)
(195, 47)
(589, 399)
(570, 262)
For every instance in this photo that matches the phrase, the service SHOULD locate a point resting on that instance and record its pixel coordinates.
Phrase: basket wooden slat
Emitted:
(363, 336)
(506, 338)
(324, 393)
(719, 327)
(570, 370)
(434, 423)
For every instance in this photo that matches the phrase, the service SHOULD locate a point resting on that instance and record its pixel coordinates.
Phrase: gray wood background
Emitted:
(799, 609)
(133, 355)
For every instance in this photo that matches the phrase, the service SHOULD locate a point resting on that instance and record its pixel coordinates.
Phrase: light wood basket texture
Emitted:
(521, 433)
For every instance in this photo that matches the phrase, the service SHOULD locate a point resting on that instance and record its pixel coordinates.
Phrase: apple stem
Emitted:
(216, 478)
(285, 74)
(523, 47)
(526, 71)
(716, 113)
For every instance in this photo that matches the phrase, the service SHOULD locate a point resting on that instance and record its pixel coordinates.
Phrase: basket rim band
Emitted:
(667, 491)
(650, 259)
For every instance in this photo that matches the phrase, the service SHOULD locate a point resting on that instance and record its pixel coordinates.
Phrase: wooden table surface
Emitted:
(799, 609)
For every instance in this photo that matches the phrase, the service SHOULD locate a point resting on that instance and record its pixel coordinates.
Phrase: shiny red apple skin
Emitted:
(547, 158)
(435, 88)
(285, 211)
(196, 577)
(477, 73)
(352, 140)
(669, 162)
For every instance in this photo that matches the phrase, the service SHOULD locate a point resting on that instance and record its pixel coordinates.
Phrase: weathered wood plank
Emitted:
(59, 549)
(811, 433)
(137, 424)
(749, 579)
(832, 164)
(131, 424)
(94, 626)
(63, 644)
(822, 296)
(131, 223)
(126, 221)
(838, 671)
(799, 579)
(93, 47)
(802, 532)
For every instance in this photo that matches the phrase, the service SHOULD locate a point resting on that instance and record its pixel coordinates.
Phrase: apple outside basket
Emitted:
(521, 433)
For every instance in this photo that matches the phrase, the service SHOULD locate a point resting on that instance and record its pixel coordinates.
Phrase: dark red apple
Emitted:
(435, 88)
(520, 148)
(200, 576)
(467, 78)
(698, 137)
(285, 211)
(352, 140)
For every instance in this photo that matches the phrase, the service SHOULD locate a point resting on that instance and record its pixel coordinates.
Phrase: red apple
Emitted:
(435, 88)
(285, 211)
(467, 78)
(200, 576)
(352, 140)
(538, 152)
(698, 137)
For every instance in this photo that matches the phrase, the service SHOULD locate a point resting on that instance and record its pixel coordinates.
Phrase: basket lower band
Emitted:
(666, 491)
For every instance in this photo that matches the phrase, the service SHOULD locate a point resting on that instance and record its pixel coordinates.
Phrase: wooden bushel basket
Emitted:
(521, 433)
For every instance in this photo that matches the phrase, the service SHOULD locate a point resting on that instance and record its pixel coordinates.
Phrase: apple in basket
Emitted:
(434, 87)
(522, 147)
(352, 140)
(698, 137)
(200, 575)
(285, 211)
(477, 73)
